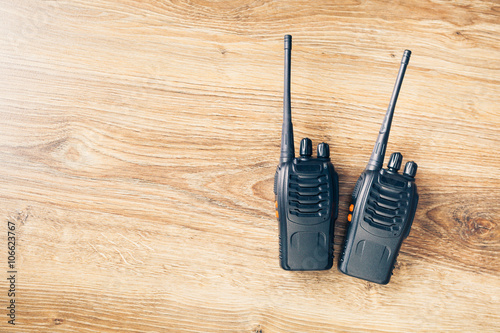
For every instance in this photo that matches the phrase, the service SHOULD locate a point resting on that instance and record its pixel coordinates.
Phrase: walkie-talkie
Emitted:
(307, 192)
(383, 207)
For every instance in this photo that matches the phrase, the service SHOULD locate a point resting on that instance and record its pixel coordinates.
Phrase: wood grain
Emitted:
(138, 141)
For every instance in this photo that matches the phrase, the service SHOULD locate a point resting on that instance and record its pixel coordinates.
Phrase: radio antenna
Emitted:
(377, 157)
(287, 148)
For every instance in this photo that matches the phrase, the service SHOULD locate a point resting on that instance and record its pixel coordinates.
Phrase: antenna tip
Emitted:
(406, 57)
(288, 42)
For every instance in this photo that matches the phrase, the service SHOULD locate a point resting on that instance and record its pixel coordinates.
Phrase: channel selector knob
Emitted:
(395, 162)
(305, 147)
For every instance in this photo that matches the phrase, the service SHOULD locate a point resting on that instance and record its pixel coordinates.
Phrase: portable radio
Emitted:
(306, 195)
(383, 207)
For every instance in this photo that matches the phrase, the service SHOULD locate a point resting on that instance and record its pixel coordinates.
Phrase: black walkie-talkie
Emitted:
(306, 192)
(383, 207)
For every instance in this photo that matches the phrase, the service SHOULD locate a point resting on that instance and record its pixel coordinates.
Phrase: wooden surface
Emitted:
(139, 140)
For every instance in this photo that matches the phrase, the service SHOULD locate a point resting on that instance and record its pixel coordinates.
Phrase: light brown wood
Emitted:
(139, 141)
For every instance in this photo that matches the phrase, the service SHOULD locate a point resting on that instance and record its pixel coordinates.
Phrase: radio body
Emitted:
(383, 207)
(306, 196)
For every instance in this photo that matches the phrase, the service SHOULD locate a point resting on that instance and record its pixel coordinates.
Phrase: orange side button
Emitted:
(277, 215)
(276, 204)
(349, 217)
(351, 207)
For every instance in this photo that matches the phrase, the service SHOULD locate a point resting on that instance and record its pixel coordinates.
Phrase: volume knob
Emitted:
(323, 150)
(306, 147)
(410, 169)
(395, 162)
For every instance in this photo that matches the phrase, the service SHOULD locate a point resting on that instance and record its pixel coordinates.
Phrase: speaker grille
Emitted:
(387, 205)
(308, 195)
